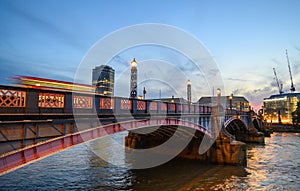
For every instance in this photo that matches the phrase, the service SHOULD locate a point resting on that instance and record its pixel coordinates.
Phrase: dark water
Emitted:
(273, 166)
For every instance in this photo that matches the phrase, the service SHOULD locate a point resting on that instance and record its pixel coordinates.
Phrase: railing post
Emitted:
(134, 106)
(32, 101)
(68, 103)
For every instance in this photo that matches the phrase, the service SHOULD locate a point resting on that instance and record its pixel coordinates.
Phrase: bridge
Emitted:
(36, 123)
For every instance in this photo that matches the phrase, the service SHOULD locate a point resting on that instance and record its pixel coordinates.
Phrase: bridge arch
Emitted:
(236, 127)
(256, 124)
(16, 159)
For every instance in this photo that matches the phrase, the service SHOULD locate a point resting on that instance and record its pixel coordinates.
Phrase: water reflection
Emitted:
(273, 166)
(180, 174)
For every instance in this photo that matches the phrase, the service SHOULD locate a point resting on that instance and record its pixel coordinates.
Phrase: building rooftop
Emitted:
(207, 100)
(103, 67)
(284, 95)
(176, 100)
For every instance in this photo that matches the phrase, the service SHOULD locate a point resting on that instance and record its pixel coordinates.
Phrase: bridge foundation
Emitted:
(254, 136)
(258, 137)
(226, 151)
(223, 151)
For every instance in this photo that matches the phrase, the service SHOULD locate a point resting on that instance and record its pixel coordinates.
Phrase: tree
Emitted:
(296, 115)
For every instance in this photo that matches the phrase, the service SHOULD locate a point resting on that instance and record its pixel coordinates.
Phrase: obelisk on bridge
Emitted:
(189, 91)
(133, 79)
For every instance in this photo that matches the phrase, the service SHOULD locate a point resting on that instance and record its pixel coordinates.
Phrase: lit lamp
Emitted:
(105, 92)
(230, 101)
(133, 63)
(219, 96)
(133, 79)
(172, 100)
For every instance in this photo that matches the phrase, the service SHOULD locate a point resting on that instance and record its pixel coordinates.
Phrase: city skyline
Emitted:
(246, 39)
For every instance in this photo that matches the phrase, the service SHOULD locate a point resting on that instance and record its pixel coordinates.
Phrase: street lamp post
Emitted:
(219, 96)
(230, 101)
(133, 79)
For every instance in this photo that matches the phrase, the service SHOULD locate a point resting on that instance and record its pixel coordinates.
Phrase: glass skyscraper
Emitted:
(103, 78)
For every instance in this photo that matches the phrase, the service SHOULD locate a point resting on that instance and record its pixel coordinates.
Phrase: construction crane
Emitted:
(288, 61)
(279, 86)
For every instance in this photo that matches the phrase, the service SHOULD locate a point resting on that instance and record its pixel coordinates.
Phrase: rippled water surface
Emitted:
(273, 166)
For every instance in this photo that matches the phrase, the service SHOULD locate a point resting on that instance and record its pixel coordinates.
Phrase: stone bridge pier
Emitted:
(246, 130)
(222, 150)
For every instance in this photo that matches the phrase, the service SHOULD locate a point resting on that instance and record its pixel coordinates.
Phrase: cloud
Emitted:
(297, 48)
(295, 67)
(255, 96)
(236, 92)
(45, 26)
(13, 65)
(188, 67)
(276, 61)
(118, 60)
(237, 79)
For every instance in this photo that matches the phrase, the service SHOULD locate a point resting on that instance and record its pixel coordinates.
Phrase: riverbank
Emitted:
(284, 128)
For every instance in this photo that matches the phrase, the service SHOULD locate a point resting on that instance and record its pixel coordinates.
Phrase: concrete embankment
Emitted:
(284, 128)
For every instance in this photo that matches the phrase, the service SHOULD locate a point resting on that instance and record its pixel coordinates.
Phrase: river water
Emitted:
(273, 166)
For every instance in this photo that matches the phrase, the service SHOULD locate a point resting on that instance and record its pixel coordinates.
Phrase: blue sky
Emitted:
(246, 38)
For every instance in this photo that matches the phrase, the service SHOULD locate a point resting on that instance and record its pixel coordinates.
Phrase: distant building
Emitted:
(278, 108)
(172, 100)
(232, 102)
(104, 78)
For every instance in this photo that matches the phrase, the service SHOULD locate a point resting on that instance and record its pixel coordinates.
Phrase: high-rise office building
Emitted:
(103, 78)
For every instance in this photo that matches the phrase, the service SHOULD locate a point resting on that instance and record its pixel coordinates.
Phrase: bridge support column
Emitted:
(226, 151)
(254, 136)
(142, 141)
(223, 151)
(257, 137)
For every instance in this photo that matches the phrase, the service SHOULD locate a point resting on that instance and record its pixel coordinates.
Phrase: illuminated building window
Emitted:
(279, 108)
(103, 79)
